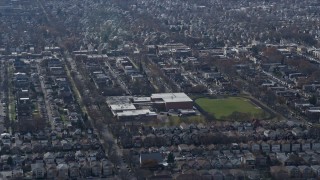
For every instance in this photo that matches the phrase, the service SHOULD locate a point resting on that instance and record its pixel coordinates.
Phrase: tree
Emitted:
(239, 116)
(313, 100)
(40, 123)
(7, 122)
(171, 158)
(143, 173)
(10, 161)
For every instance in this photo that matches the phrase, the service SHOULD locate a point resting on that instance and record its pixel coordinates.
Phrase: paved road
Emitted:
(115, 76)
(105, 134)
(46, 100)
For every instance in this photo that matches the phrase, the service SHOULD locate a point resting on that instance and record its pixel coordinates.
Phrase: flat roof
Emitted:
(24, 98)
(141, 99)
(124, 106)
(137, 112)
(314, 110)
(172, 97)
(118, 99)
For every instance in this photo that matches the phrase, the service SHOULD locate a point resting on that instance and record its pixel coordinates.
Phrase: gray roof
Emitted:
(155, 156)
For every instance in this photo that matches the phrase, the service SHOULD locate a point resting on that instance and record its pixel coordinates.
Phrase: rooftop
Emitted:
(122, 107)
(172, 97)
(141, 99)
(136, 112)
(118, 99)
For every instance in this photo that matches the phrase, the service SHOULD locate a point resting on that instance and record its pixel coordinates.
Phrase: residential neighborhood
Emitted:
(207, 89)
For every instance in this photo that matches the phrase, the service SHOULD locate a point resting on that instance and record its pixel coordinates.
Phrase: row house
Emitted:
(72, 169)
(283, 146)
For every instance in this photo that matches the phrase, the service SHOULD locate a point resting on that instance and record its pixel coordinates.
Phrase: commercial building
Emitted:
(139, 108)
(167, 101)
(131, 108)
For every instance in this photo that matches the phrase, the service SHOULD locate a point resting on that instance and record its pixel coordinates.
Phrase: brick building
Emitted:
(166, 101)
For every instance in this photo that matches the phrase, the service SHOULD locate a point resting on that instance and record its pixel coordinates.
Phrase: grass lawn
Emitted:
(226, 106)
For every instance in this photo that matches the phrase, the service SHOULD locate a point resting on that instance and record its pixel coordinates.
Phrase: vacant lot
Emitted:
(223, 108)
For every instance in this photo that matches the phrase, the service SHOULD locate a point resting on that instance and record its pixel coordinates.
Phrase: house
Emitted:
(225, 163)
(297, 131)
(228, 175)
(17, 159)
(162, 177)
(188, 175)
(92, 156)
(185, 165)
(261, 160)
(235, 161)
(205, 175)
(80, 156)
(38, 170)
(136, 140)
(293, 171)
(66, 145)
(249, 160)
(285, 146)
(183, 148)
(294, 159)
(51, 171)
(63, 171)
(296, 147)
(175, 139)
(316, 170)
(74, 170)
(215, 163)
(265, 147)
(279, 172)
(95, 168)
(270, 134)
(306, 145)
(4, 158)
(17, 173)
(6, 174)
(306, 172)
(216, 174)
(16, 149)
(49, 158)
(282, 158)
(253, 175)
(37, 158)
(76, 146)
(244, 146)
(237, 173)
(203, 164)
(315, 145)
(150, 159)
(221, 81)
(59, 157)
(185, 137)
(313, 158)
(275, 146)
(107, 168)
(85, 170)
(255, 147)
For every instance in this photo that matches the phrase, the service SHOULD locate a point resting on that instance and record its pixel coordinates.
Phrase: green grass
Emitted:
(63, 118)
(12, 109)
(222, 108)
(12, 103)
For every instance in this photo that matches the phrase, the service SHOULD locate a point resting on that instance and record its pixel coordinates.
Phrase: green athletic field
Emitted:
(222, 108)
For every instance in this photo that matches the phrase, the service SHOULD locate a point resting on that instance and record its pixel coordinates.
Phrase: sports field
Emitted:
(226, 106)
